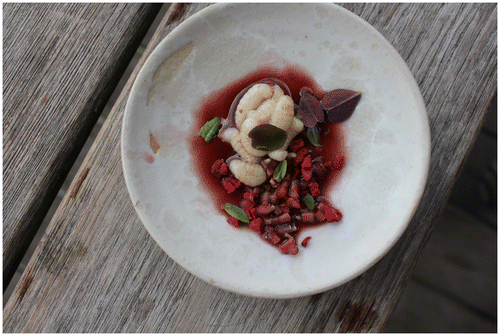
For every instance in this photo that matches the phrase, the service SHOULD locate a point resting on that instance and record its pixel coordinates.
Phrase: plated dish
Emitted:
(385, 143)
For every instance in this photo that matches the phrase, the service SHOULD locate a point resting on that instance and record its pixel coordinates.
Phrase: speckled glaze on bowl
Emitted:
(388, 140)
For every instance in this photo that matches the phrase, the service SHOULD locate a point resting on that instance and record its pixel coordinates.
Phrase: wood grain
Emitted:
(59, 71)
(97, 269)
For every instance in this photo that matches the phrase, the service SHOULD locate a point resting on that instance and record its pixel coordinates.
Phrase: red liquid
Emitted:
(217, 105)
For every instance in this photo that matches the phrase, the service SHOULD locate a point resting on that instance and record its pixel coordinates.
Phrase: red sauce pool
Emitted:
(217, 105)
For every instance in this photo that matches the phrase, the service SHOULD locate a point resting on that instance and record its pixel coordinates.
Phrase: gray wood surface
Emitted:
(453, 288)
(61, 63)
(97, 269)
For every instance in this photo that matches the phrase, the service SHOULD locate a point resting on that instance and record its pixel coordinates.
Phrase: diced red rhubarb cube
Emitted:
(264, 209)
(307, 216)
(289, 246)
(293, 192)
(271, 236)
(293, 203)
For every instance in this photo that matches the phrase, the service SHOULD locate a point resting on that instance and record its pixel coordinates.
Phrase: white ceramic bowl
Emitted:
(388, 140)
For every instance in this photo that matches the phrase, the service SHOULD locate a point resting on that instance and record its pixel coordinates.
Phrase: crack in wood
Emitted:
(79, 183)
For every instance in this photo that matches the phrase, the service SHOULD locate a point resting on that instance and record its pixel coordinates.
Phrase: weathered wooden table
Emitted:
(96, 268)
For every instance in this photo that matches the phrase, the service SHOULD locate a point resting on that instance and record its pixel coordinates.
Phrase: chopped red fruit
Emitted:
(295, 145)
(307, 168)
(219, 168)
(256, 225)
(332, 214)
(250, 195)
(284, 218)
(314, 189)
(264, 209)
(282, 189)
(339, 164)
(246, 204)
(307, 216)
(300, 155)
(234, 221)
(231, 184)
(271, 236)
(305, 241)
(289, 246)
(293, 203)
(251, 213)
(328, 164)
(320, 216)
(265, 197)
(307, 162)
(293, 192)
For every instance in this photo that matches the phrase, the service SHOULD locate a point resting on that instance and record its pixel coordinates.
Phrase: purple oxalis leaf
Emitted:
(340, 104)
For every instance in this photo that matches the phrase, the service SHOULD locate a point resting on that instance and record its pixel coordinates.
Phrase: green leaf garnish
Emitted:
(280, 171)
(236, 212)
(309, 201)
(267, 137)
(210, 129)
(313, 136)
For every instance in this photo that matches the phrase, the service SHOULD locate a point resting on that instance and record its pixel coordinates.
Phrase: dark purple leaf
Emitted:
(310, 108)
(340, 104)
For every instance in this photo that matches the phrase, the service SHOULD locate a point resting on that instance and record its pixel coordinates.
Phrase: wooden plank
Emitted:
(59, 71)
(422, 310)
(97, 269)
(460, 260)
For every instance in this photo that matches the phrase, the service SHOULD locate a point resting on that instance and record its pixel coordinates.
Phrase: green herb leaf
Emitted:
(267, 137)
(236, 212)
(210, 129)
(309, 201)
(313, 136)
(280, 171)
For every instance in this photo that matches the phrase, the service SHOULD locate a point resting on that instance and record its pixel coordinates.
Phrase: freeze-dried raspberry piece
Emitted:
(234, 221)
(289, 246)
(305, 241)
(219, 168)
(339, 164)
(307, 168)
(301, 154)
(256, 225)
(314, 189)
(246, 204)
(295, 145)
(231, 184)
(332, 215)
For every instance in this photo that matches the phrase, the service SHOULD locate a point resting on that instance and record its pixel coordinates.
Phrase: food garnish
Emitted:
(277, 172)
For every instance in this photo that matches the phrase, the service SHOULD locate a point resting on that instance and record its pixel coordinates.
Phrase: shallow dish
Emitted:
(387, 138)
